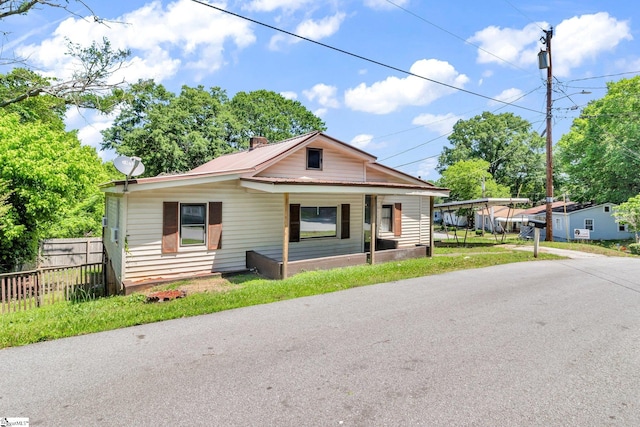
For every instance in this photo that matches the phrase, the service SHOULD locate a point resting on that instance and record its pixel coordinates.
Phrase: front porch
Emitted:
(275, 269)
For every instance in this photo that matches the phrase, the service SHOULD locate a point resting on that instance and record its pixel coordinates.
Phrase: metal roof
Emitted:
(470, 204)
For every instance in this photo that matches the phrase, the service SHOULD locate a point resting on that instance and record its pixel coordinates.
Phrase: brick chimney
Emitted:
(257, 141)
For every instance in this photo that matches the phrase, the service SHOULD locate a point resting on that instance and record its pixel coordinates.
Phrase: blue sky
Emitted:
(488, 49)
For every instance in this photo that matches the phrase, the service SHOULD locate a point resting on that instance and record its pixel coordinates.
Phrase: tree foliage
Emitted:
(176, 133)
(45, 174)
(269, 114)
(599, 157)
(88, 86)
(466, 178)
(628, 213)
(513, 152)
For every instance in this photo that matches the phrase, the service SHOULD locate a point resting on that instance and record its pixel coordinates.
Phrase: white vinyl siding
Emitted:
(250, 221)
(377, 176)
(413, 211)
(336, 166)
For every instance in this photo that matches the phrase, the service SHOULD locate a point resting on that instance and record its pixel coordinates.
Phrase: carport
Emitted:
(458, 206)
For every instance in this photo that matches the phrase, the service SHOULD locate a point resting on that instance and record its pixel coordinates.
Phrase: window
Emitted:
(386, 218)
(391, 219)
(607, 208)
(314, 158)
(558, 225)
(318, 222)
(588, 224)
(193, 219)
(622, 227)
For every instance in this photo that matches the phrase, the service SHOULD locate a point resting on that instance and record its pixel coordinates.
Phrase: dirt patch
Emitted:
(212, 284)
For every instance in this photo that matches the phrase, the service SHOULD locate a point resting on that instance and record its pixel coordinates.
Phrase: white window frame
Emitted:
(593, 224)
(384, 226)
(184, 226)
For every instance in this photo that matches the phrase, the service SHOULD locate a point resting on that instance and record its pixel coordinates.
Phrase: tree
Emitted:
(21, 7)
(514, 152)
(269, 114)
(45, 173)
(171, 133)
(599, 157)
(628, 213)
(88, 86)
(175, 133)
(465, 179)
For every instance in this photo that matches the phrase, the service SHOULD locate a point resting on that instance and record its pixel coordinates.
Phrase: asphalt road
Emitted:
(550, 343)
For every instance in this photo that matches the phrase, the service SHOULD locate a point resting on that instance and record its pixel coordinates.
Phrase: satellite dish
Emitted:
(130, 166)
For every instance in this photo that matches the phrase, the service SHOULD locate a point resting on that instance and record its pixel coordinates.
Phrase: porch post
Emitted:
(374, 231)
(431, 227)
(285, 238)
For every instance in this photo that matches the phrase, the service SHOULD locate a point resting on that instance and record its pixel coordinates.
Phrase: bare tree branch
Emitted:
(21, 7)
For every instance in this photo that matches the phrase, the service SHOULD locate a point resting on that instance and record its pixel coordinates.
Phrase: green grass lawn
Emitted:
(66, 319)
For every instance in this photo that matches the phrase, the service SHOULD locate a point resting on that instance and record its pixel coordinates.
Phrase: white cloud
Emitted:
(519, 47)
(383, 4)
(507, 95)
(393, 93)
(441, 124)
(575, 41)
(317, 30)
(365, 142)
(583, 38)
(271, 5)
(90, 124)
(324, 94)
(161, 40)
(427, 168)
(361, 141)
(311, 29)
(289, 95)
(321, 112)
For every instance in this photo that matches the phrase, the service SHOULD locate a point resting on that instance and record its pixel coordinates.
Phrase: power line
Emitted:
(602, 77)
(523, 14)
(449, 133)
(373, 61)
(456, 36)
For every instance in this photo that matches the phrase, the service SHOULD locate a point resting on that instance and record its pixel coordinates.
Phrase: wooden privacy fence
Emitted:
(30, 289)
(57, 252)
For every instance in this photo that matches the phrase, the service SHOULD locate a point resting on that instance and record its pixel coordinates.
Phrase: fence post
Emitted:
(38, 290)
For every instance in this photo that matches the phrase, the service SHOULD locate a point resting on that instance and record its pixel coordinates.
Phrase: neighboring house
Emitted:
(571, 216)
(499, 212)
(452, 218)
(304, 203)
(499, 218)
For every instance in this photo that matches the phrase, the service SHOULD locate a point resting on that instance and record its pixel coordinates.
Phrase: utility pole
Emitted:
(544, 61)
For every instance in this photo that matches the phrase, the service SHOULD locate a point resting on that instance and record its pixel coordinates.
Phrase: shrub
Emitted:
(634, 248)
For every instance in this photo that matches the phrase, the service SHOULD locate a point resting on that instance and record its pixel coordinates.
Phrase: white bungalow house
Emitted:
(304, 203)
